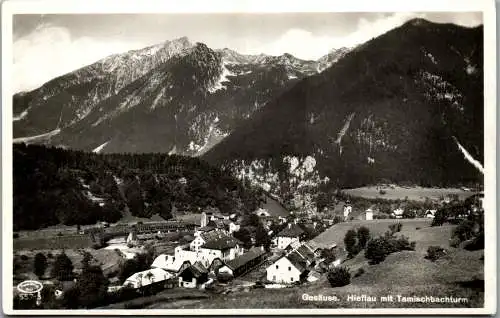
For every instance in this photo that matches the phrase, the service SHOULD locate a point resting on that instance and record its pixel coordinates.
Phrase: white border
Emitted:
(487, 7)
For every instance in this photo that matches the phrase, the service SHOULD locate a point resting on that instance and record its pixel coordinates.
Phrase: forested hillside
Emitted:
(58, 186)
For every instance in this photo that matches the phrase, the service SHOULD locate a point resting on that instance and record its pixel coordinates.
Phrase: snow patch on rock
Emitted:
(101, 147)
(223, 78)
(469, 157)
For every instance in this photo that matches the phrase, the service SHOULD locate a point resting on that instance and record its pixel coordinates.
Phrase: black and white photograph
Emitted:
(202, 158)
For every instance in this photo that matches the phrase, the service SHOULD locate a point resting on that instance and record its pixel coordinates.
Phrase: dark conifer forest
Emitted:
(58, 186)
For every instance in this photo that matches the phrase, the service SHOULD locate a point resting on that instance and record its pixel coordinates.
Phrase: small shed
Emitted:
(193, 276)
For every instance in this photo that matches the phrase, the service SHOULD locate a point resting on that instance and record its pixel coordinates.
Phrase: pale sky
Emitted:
(47, 46)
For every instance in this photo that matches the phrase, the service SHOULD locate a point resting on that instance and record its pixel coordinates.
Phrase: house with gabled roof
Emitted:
(290, 234)
(202, 238)
(193, 276)
(287, 269)
(226, 248)
(146, 278)
(173, 263)
(244, 262)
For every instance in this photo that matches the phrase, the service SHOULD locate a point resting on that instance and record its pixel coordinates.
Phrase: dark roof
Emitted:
(293, 231)
(222, 243)
(241, 260)
(305, 252)
(207, 228)
(157, 218)
(298, 261)
(197, 269)
(216, 224)
(210, 236)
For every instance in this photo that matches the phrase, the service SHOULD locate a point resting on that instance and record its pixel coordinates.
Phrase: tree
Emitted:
(244, 235)
(363, 236)
(262, 238)
(40, 264)
(351, 243)
(251, 220)
(128, 268)
(87, 258)
(377, 250)
(92, 286)
(63, 268)
(339, 276)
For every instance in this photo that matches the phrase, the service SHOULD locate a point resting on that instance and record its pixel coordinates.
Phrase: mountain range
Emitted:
(406, 106)
(176, 97)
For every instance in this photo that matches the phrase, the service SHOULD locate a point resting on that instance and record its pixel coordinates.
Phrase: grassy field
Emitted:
(107, 259)
(54, 243)
(336, 233)
(413, 193)
(459, 273)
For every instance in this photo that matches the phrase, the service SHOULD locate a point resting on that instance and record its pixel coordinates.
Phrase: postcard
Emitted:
(249, 157)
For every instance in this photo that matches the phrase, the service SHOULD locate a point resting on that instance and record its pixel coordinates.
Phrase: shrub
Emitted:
(359, 272)
(40, 264)
(382, 192)
(63, 268)
(49, 255)
(477, 243)
(417, 228)
(363, 236)
(455, 242)
(339, 276)
(400, 244)
(224, 277)
(439, 218)
(24, 257)
(337, 219)
(396, 227)
(351, 243)
(435, 252)
(377, 250)
(464, 231)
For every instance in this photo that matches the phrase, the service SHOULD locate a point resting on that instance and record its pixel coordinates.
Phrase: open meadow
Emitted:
(394, 192)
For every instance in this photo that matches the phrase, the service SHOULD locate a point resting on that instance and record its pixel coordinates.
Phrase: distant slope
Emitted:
(389, 109)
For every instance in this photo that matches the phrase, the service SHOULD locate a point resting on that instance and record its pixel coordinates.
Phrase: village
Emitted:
(271, 248)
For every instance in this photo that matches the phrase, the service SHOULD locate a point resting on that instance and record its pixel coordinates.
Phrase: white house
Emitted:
(233, 227)
(193, 276)
(430, 214)
(291, 234)
(225, 248)
(369, 214)
(347, 211)
(262, 212)
(288, 269)
(398, 213)
(202, 238)
(147, 277)
(173, 263)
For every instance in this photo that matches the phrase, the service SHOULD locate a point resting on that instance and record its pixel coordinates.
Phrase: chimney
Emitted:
(262, 248)
(289, 225)
(315, 224)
